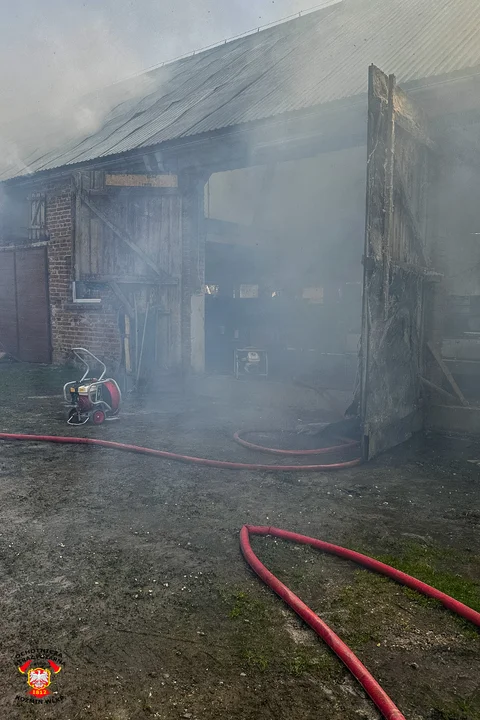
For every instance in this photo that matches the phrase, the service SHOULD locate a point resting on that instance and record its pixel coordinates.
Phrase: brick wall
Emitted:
(93, 327)
(96, 327)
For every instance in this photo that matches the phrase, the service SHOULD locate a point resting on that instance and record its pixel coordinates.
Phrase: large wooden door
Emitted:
(131, 235)
(396, 270)
(24, 304)
(8, 304)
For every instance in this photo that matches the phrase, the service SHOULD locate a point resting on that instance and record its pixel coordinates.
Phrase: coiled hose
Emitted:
(206, 462)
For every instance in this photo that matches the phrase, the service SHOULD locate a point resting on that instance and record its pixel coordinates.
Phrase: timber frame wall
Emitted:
(72, 324)
(280, 139)
(96, 325)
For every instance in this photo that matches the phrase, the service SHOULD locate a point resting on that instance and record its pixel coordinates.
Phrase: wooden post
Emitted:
(387, 239)
(193, 277)
(447, 374)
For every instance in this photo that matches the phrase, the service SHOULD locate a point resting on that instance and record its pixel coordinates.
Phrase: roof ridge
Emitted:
(248, 33)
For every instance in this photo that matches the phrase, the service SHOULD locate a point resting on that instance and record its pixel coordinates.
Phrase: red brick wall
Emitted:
(93, 327)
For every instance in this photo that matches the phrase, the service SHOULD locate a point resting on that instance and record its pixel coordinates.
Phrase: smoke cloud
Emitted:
(56, 57)
(51, 93)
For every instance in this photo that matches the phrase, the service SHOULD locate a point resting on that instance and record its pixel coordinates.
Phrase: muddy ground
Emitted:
(130, 566)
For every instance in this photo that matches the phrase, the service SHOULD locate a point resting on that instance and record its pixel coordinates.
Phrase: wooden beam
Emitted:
(121, 279)
(454, 419)
(388, 235)
(411, 117)
(150, 163)
(447, 374)
(260, 202)
(123, 299)
(125, 237)
(417, 235)
(136, 180)
(436, 388)
(424, 272)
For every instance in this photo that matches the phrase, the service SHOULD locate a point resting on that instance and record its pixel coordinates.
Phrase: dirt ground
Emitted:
(130, 566)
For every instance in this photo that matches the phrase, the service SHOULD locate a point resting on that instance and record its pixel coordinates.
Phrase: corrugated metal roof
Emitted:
(309, 61)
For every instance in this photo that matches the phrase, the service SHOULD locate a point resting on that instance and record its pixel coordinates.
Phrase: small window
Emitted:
(85, 292)
(38, 228)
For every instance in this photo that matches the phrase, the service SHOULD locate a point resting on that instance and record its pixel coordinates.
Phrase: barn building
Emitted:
(308, 191)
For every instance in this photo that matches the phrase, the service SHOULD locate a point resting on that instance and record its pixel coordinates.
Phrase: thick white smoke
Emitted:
(57, 57)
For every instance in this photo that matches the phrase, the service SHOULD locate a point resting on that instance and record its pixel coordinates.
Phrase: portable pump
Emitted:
(91, 399)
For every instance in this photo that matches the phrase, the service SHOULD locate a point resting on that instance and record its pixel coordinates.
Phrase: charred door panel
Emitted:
(117, 232)
(8, 304)
(32, 305)
(395, 264)
(24, 304)
(132, 237)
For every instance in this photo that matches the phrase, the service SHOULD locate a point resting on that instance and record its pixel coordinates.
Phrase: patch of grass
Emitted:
(446, 569)
(246, 607)
(301, 663)
(19, 380)
(352, 600)
(433, 566)
(260, 641)
(465, 710)
(256, 660)
(276, 657)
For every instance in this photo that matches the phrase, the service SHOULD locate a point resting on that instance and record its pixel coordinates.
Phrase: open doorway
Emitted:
(283, 268)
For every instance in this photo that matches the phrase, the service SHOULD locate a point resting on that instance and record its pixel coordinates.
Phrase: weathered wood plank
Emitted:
(447, 374)
(402, 197)
(154, 181)
(436, 388)
(123, 299)
(122, 235)
(82, 228)
(411, 118)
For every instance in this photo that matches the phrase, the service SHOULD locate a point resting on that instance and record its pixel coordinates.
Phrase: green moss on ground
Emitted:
(434, 566)
(260, 640)
(18, 381)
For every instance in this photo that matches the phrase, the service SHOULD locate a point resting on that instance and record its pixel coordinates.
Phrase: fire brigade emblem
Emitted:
(39, 678)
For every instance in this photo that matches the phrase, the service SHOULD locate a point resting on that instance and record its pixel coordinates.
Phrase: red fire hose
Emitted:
(386, 706)
(346, 443)
(186, 458)
(378, 695)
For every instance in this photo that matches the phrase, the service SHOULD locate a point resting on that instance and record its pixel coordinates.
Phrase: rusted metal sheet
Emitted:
(153, 181)
(392, 352)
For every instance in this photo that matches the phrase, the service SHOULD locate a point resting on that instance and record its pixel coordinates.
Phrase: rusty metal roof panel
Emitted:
(310, 61)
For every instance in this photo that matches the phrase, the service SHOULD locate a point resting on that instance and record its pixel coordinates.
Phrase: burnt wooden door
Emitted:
(396, 272)
(24, 305)
(132, 237)
(8, 304)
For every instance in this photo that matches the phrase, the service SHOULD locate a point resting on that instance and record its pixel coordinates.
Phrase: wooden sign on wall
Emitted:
(154, 181)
